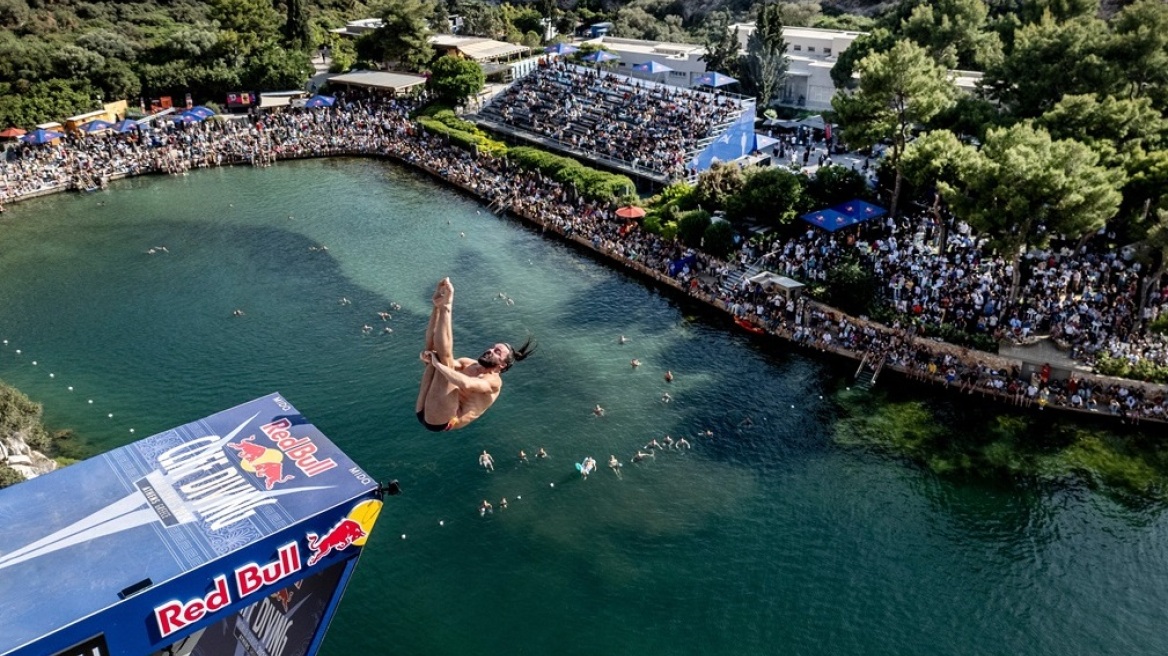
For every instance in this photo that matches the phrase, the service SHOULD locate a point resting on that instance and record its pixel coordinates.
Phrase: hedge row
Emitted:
(461, 138)
(591, 183)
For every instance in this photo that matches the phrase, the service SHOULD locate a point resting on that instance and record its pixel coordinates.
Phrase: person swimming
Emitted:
(486, 461)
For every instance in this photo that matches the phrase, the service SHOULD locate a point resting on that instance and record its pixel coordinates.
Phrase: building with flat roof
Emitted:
(812, 52)
(684, 59)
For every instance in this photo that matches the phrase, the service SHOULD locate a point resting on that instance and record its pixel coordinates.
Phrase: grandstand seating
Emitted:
(641, 125)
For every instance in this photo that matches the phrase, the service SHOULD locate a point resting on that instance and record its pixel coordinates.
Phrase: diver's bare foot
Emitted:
(444, 295)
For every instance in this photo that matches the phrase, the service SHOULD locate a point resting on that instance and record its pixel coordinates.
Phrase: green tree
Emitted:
(14, 13)
(691, 227)
(454, 79)
(852, 287)
(765, 62)
(297, 31)
(1050, 59)
(39, 102)
(1139, 49)
(835, 184)
(773, 195)
(717, 184)
(246, 25)
(899, 89)
(722, 49)
(846, 63)
(934, 162)
(274, 68)
(1157, 242)
(482, 19)
(403, 37)
(1023, 187)
(953, 33)
(719, 239)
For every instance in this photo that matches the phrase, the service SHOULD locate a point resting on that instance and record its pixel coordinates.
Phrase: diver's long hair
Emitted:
(520, 354)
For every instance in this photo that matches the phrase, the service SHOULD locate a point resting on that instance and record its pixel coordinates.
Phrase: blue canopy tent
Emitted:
(96, 126)
(41, 136)
(599, 56)
(560, 49)
(189, 116)
(860, 210)
(320, 101)
(714, 79)
(651, 67)
(200, 111)
(125, 126)
(829, 220)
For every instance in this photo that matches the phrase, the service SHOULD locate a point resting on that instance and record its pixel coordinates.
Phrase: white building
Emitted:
(685, 59)
(812, 53)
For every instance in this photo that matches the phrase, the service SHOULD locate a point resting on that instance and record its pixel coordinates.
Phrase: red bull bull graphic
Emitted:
(149, 545)
(345, 533)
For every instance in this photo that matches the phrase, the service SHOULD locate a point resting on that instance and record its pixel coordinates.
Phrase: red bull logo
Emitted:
(345, 533)
(301, 450)
(266, 464)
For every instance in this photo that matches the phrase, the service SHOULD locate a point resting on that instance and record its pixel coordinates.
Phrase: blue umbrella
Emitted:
(96, 126)
(320, 101)
(125, 126)
(560, 49)
(189, 116)
(40, 136)
(714, 79)
(599, 56)
(200, 111)
(651, 67)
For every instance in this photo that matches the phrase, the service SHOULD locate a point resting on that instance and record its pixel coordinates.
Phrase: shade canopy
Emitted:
(860, 209)
(125, 126)
(599, 56)
(630, 212)
(201, 111)
(560, 49)
(12, 133)
(762, 141)
(189, 117)
(844, 215)
(815, 122)
(714, 79)
(320, 101)
(96, 126)
(41, 136)
(651, 67)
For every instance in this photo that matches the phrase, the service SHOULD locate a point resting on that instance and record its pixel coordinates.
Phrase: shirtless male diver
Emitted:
(455, 392)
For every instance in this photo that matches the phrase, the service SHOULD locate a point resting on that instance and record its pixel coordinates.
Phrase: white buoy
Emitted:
(519, 498)
(18, 351)
(551, 484)
(441, 523)
(111, 415)
(70, 388)
(52, 375)
(90, 401)
(5, 342)
(34, 363)
(131, 430)
(403, 536)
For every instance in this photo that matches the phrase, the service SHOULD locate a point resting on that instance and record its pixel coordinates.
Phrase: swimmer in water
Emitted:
(485, 507)
(598, 411)
(541, 453)
(640, 455)
(635, 363)
(683, 443)
(486, 461)
(669, 376)
(622, 339)
(613, 463)
(522, 456)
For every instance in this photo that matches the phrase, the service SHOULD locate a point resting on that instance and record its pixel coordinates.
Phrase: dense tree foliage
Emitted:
(765, 60)
(454, 79)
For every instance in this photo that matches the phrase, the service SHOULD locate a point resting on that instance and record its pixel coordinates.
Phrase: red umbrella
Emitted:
(630, 212)
(11, 133)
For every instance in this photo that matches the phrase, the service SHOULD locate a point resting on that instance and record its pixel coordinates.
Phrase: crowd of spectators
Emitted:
(648, 125)
(914, 275)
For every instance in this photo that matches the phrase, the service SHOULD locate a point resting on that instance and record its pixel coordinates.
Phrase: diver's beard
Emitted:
(488, 360)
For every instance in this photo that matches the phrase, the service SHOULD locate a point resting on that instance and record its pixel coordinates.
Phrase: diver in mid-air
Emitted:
(455, 392)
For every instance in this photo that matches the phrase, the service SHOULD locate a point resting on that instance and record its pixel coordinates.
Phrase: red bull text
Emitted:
(176, 615)
(301, 450)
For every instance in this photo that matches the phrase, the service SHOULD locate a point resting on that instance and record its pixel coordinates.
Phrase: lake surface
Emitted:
(761, 540)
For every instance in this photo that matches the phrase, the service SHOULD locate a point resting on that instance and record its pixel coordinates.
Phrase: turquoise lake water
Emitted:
(761, 540)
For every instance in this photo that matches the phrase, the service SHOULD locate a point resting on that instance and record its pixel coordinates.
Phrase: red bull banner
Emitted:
(239, 526)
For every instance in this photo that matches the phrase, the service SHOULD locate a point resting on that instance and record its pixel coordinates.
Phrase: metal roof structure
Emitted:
(393, 82)
(478, 48)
